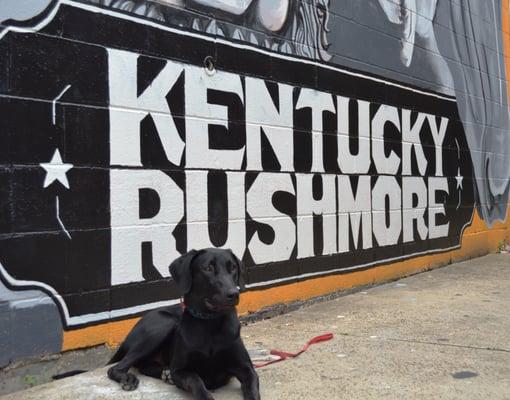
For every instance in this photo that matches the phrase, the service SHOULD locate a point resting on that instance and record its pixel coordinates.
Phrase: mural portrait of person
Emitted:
(288, 26)
(476, 59)
(416, 21)
(472, 67)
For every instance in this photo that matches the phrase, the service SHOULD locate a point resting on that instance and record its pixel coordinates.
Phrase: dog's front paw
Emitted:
(129, 382)
(166, 376)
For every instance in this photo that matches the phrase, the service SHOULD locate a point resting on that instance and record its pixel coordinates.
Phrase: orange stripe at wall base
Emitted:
(476, 241)
(110, 333)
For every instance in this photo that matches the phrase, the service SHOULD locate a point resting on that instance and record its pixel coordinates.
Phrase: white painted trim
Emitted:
(85, 318)
(361, 266)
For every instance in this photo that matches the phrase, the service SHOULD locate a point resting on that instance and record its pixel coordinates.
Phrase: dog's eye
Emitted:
(208, 268)
(232, 268)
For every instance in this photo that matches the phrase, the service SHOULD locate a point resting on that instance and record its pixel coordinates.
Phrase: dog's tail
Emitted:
(116, 357)
(68, 374)
(119, 354)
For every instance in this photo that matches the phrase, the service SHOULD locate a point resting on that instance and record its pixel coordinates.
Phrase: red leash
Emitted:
(284, 355)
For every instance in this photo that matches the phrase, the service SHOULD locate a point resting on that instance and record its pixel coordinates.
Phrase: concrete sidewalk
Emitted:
(443, 334)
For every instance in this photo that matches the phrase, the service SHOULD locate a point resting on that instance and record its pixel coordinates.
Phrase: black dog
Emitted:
(199, 348)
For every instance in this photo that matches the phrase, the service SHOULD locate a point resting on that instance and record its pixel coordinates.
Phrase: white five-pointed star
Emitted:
(56, 170)
(459, 179)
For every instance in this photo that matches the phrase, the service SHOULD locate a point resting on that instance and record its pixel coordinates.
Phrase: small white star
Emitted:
(56, 170)
(459, 179)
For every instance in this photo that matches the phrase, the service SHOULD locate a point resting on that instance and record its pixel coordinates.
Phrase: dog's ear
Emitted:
(241, 270)
(180, 269)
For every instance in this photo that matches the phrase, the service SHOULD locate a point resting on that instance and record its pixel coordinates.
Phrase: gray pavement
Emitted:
(443, 334)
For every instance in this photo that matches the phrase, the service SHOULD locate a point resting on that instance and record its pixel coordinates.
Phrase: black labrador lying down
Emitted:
(199, 348)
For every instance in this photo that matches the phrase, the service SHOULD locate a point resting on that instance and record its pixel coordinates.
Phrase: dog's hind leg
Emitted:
(119, 372)
(149, 334)
(138, 352)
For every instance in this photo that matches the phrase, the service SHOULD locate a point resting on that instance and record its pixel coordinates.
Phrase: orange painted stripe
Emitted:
(477, 241)
(110, 333)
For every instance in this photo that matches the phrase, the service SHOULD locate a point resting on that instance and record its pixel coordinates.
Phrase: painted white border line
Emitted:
(340, 270)
(157, 25)
(361, 266)
(84, 318)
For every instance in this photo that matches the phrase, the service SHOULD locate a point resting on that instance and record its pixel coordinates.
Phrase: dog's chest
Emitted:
(209, 358)
(207, 346)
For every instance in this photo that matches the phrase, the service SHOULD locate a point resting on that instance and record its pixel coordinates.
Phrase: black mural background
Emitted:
(71, 50)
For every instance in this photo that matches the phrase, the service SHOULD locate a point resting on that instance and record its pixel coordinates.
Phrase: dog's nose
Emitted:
(233, 295)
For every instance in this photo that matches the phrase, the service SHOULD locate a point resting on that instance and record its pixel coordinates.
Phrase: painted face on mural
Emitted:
(414, 22)
(270, 14)
(301, 27)
(287, 26)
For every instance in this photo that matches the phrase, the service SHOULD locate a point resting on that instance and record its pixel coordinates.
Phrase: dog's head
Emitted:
(209, 279)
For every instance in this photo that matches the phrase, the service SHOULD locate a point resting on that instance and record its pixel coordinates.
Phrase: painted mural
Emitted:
(314, 138)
